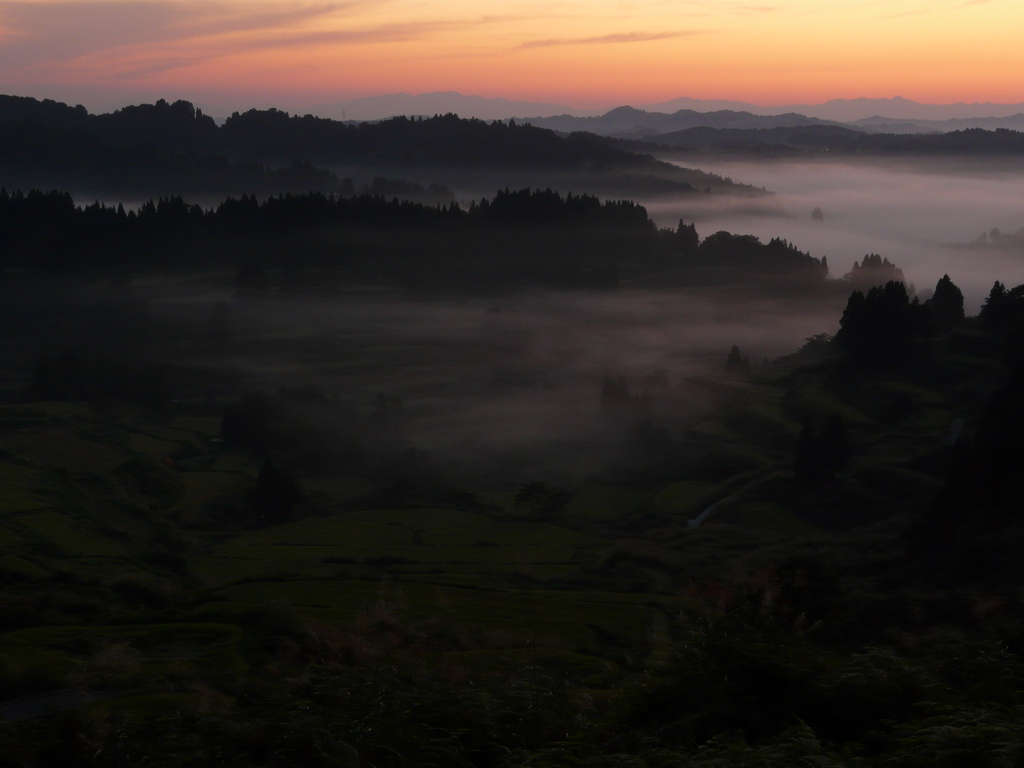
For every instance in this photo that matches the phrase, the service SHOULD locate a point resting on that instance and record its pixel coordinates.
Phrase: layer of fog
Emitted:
(510, 392)
(911, 215)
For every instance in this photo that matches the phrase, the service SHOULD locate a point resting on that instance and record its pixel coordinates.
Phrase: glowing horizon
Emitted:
(587, 55)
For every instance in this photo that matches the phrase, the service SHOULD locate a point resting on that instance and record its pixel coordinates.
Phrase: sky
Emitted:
(582, 53)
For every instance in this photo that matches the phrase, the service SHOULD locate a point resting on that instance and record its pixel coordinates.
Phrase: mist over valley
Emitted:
(438, 442)
(917, 216)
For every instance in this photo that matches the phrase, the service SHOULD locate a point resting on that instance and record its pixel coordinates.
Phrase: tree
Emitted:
(872, 271)
(833, 445)
(687, 238)
(947, 303)
(276, 492)
(993, 310)
(823, 454)
(806, 468)
(880, 326)
(735, 362)
(539, 499)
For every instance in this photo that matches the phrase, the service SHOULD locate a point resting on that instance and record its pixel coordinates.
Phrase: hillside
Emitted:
(163, 149)
(228, 572)
(830, 141)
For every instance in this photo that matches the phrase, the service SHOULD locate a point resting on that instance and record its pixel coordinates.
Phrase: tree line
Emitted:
(545, 239)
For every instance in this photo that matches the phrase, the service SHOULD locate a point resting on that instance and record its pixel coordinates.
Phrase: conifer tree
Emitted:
(806, 468)
(947, 303)
(687, 238)
(833, 445)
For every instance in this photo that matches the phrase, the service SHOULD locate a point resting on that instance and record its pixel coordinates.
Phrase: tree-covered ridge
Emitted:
(162, 148)
(29, 221)
(826, 140)
(272, 135)
(546, 239)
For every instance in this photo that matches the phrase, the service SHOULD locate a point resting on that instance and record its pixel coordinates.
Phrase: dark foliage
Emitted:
(440, 140)
(275, 427)
(518, 238)
(982, 495)
(164, 148)
(881, 327)
(1003, 315)
(540, 499)
(871, 271)
(806, 467)
(746, 252)
(825, 453)
(833, 140)
(71, 377)
(276, 493)
(687, 238)
(735, 362)
(947, 303)
(834, 448)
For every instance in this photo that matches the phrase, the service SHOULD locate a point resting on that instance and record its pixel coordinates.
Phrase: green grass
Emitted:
(70, 536)
(606, 502)
(201, 487)
(821, 404)
(549, 614)
(413, 554)
(445, 527)
(16, 483)
(10, 540)
(328, 531)
(113, 655)
(769, 517)
(18, 566)
(218, 572)
(681, 497)
(430, 542)
(63, 449)
(152, 446)
(208, 426)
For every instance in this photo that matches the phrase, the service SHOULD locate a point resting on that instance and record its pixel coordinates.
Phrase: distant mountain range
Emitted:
(852, 110)
(896, 115)
(839, 141)
(889, 125)
(630, 123)
(627, 122)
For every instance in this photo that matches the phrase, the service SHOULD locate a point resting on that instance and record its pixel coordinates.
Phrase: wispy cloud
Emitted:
(142, 63)
(62, 31)
(616, 39)
(122, 39)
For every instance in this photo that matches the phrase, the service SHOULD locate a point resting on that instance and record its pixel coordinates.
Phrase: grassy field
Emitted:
(137, 514)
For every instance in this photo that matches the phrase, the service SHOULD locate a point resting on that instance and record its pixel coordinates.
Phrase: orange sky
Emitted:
(590, 53)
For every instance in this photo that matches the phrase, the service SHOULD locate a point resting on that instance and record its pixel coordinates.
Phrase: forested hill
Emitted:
(275, 136)
(832, 140)
(162, 148)
(515, 239)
